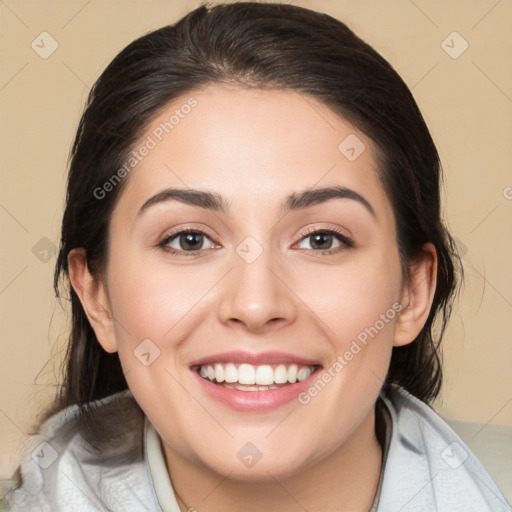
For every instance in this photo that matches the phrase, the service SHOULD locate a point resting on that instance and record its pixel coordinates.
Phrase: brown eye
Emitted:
(321, 241)
(187, 241)
(324, 241)
(191, 241)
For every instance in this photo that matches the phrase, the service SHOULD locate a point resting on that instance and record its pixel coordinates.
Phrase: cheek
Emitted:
(357, 300)
(153, 310)
(358, 316)
(358, 306)
(151, 301)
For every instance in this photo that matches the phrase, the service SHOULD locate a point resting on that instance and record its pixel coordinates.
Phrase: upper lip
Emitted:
(255, 359)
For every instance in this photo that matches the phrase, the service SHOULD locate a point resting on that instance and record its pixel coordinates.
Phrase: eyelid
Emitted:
(174, 233)
(346, 242)
(347, 238)
(188, 228)
(344, 239)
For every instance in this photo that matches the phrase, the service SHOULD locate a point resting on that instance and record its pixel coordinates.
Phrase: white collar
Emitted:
(162, 483)
(159, 474)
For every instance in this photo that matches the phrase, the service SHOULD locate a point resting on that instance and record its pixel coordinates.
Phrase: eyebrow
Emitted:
(216, 202)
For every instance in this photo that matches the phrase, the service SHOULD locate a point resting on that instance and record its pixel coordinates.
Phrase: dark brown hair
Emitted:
(268, 46)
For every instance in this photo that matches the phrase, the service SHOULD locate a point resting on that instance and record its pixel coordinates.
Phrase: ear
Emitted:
(93, 297)
(417, 296)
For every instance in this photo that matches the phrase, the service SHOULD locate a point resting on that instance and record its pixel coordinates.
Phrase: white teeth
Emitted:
(241, 387)
(246, 374)
(303, 374)
(254, 378)
(265, 375)
(292, 374)
(219, 373)
(281, 374)
(230, 373)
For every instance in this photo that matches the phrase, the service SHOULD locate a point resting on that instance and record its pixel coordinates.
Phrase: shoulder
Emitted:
(88, 458)
(429, 467)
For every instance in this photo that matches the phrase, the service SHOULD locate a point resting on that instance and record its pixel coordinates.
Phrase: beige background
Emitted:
(467, 102)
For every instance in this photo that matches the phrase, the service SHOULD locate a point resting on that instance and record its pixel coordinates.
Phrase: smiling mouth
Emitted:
(248, 377)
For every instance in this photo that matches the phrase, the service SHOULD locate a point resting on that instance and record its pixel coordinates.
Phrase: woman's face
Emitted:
(291, 267)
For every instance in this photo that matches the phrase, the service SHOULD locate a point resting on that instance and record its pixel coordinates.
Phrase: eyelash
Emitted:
(172, 236)
(346, 242)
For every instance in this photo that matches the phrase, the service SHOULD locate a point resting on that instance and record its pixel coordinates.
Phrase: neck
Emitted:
(344, 480)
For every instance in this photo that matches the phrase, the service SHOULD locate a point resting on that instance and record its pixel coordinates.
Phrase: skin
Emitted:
(255, 148)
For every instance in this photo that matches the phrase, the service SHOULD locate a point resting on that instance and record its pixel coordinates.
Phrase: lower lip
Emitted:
(254, 400)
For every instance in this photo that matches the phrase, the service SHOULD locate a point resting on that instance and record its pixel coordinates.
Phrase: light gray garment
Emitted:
(430, 468)
(427, 466)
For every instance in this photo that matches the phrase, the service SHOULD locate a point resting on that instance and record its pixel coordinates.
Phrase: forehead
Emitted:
(253, 147)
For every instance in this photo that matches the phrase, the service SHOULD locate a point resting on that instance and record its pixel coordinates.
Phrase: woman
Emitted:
(256, 259)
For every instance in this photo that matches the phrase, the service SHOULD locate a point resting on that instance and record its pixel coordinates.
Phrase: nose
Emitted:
(256, 297)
